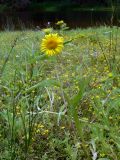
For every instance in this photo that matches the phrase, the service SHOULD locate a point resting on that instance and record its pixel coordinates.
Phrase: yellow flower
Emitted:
(60, 22)
(110, 75)
(52, 44)
(63, 127)
(45, 132)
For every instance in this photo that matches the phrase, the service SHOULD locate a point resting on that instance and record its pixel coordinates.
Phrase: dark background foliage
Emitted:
(26, 3)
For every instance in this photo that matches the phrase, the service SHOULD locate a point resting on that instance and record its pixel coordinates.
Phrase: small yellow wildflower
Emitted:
(45, 132)
(18, 110)
(97, 97)
(37, 131)
(52, 44)
(110, 117)
(40, 126)
(60, 22)
(63, 127)
(102, 154)
(110, 75)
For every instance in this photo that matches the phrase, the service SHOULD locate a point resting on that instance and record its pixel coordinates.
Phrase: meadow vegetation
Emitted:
(60, 107)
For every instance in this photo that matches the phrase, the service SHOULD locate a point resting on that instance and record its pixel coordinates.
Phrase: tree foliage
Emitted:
(25, 3)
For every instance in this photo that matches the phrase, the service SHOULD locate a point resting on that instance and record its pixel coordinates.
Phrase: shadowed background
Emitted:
(32, 14)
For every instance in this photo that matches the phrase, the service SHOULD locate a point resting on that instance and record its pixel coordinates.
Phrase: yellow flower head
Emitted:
(52, 44)
(60, 22)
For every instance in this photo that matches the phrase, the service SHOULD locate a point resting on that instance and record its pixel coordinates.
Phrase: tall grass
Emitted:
(60, 107)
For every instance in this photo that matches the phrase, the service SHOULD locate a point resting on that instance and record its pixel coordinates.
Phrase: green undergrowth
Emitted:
(65, 107)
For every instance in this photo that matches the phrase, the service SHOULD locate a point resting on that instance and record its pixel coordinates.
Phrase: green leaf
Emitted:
(66, 42)
(74, 102)
(42, 57)
(77, 98)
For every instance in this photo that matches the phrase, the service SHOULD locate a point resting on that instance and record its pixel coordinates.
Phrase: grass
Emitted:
(61, 107)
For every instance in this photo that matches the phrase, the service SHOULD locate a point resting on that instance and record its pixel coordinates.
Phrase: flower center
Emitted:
(51, 44)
